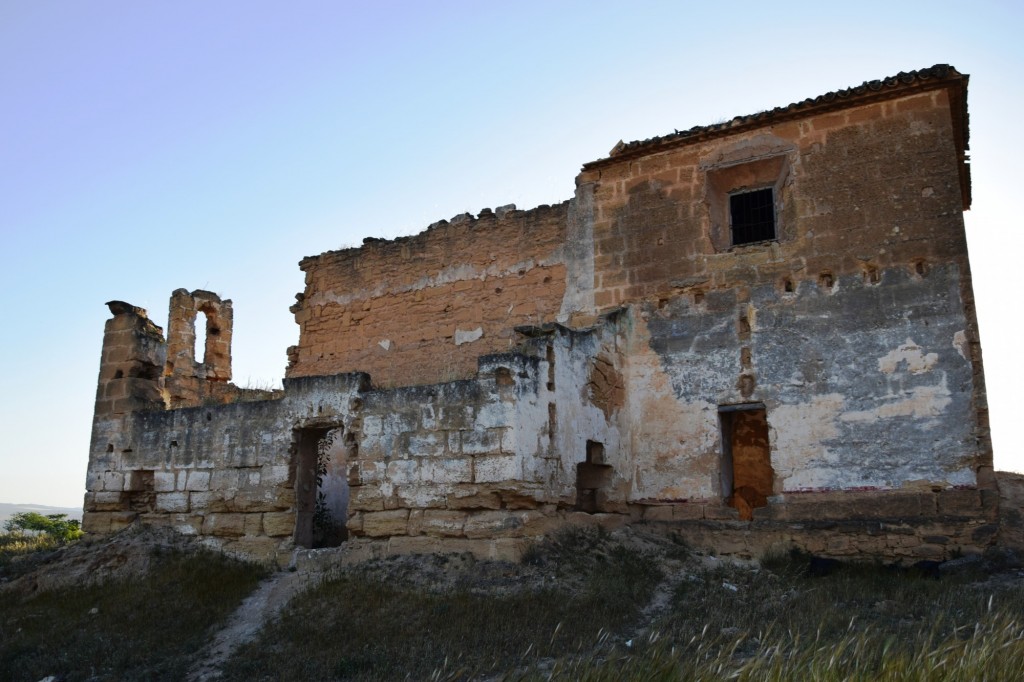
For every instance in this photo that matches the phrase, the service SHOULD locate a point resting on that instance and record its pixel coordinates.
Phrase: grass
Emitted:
(574, 611)
(993, 651)
(860, 623)
(360, 627)
(142, 628)
(21, 551)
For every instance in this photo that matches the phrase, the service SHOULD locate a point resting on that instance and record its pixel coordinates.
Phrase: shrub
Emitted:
(56, 526)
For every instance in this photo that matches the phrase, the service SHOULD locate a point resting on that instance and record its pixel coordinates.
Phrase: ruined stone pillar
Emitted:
(187, 378)
(130, 367)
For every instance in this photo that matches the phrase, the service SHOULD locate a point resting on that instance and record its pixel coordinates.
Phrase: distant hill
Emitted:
(7, 510)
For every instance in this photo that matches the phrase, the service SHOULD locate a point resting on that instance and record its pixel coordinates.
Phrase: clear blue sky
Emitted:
(146, 146)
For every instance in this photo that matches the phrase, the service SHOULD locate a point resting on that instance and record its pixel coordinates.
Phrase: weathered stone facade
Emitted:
(625, 356)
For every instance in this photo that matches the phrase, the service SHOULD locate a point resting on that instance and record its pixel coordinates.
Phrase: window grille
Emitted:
(752, 215)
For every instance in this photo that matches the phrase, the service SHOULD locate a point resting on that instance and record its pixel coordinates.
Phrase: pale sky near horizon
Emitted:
(147, 146)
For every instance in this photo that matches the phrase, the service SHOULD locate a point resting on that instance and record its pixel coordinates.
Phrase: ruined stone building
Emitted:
(760, 332)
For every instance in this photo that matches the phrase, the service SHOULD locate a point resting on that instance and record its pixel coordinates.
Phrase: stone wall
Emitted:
(609, 360)
(223, 471)
(857, 191)
(422, 309)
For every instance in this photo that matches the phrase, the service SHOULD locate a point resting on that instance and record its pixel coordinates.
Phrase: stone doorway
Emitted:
(592, 477)
(321, 487)
(747, 474)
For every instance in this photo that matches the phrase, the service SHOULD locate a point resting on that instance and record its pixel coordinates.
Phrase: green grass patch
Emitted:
(140, 628)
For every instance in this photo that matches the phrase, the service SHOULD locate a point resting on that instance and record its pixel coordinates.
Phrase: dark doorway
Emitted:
(321, 487)
(592, 475)
(747, 474)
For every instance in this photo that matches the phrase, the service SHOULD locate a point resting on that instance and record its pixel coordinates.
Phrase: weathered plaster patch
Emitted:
(917, 362)
(922, 402)
(960, 343)
(799, 432)
(677, 440)
(467, 336)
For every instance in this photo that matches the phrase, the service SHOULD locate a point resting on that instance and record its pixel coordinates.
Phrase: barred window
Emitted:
(752, 216)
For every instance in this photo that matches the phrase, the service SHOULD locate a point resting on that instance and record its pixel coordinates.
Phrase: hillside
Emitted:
(585, 604)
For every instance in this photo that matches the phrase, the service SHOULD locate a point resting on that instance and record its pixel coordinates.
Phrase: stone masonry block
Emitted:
(500, 523)
(481, 441)
(279, 524)
(474, 499)
(274, 474)
(251, 478)
(172, 502)
(959, 502)
(385, 523)
(496, 469)
(403, 471)
(224, 525)
(210, 501)
(688, 512)
(96, 522)
(186, 524)
(284, 498)
(121, 520)
(658, 513)
(414, 545)
(198, 481)
(255, 501)
(397, 422)
(458, 470)
(365, 498)
(94, 480)
(163, 481)
(373, 425)
(254, 524)
(225, 479)
(415, 525)
(108, 501)
(443, 523)
(425, 445)
(371, 472)
(113, 481)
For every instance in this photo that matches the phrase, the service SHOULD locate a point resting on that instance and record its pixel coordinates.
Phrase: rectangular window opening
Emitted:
(752, 216)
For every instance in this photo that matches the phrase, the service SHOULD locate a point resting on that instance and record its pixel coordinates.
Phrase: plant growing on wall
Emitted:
(324, 525)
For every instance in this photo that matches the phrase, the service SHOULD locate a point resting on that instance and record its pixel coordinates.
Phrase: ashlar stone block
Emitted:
(496, 469)
(385, 523)
(279, 524)
(175, 502)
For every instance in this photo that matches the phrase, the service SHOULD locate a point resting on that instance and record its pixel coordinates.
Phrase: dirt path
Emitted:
(245, 623)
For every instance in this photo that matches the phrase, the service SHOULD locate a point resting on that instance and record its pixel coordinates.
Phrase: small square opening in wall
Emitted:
(752, 216)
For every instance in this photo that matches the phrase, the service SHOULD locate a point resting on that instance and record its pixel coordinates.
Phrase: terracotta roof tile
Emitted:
(865, 92)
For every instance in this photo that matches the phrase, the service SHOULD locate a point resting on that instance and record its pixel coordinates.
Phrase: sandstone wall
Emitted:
(854, 329)
(858, 191)
(585, 362)
(422, 309)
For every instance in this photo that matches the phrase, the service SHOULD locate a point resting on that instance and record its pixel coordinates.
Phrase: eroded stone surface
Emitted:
(494, 377)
